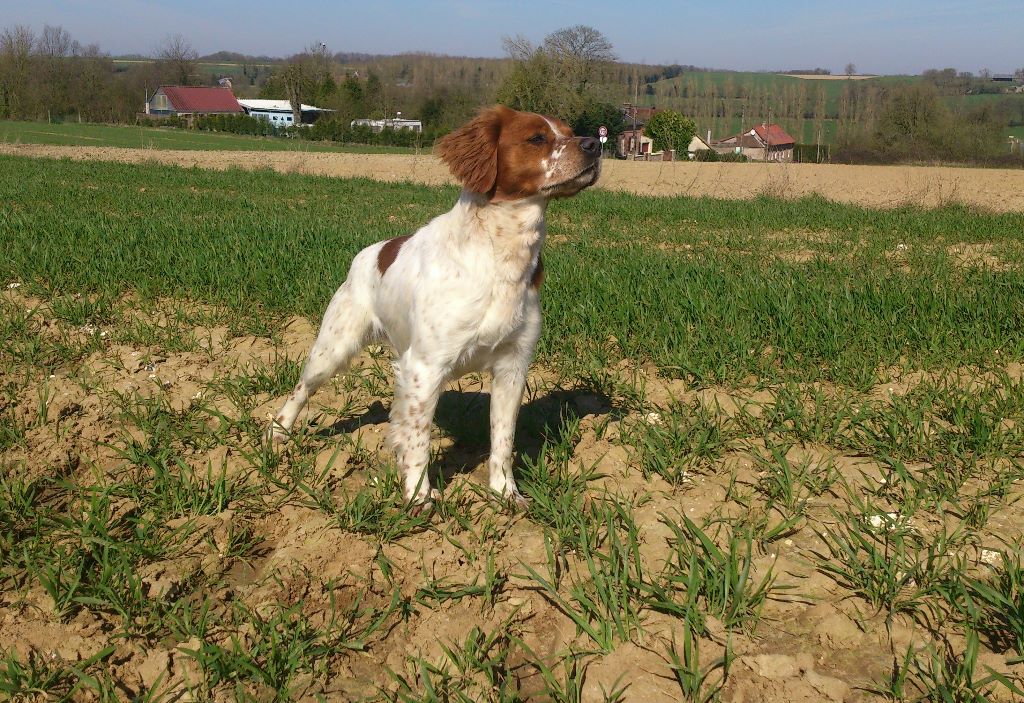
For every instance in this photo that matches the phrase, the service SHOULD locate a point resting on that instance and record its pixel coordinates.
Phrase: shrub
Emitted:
(733, 158)
(236, 124)
(670, 130)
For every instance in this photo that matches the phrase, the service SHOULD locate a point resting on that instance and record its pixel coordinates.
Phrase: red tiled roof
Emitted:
(773, 135)
(201, 99)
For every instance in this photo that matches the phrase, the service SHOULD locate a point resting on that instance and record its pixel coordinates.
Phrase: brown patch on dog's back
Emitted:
(389, 252)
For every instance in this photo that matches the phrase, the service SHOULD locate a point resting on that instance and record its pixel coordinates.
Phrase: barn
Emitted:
(192, 101)
(765, 142)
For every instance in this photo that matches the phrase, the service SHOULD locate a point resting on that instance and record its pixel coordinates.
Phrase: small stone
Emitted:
(774, 666)
(155, 669)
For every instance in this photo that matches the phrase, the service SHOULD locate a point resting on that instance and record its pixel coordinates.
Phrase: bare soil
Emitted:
(1000, 190)
(814, 643)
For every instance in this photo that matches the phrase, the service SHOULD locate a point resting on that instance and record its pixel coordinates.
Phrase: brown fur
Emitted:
(471, 151)
(389, 252)
(538, 274)
(492, 154)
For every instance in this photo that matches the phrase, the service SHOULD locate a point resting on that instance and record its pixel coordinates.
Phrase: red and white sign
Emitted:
(602, 131)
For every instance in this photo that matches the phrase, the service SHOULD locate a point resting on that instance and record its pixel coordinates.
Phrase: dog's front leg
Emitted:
(417, 388)
(507, 386)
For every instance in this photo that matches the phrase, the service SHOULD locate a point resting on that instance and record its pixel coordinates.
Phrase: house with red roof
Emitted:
(192, 101)
(764, 142)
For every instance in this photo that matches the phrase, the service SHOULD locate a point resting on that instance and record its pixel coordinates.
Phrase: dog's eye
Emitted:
(537, 139)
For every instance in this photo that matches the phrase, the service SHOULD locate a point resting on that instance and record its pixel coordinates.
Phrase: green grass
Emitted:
(139, 137)
(708, 311)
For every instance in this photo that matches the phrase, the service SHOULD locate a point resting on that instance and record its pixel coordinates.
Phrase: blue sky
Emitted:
(894, 36)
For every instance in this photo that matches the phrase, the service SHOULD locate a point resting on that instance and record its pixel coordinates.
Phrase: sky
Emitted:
(878, 36)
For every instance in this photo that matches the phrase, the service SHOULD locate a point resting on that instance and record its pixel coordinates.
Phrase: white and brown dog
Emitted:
(461, 294)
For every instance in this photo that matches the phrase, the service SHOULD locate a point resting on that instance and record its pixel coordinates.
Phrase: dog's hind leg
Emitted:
(343, 333)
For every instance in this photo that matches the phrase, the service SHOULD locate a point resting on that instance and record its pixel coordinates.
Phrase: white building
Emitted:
(279, 112)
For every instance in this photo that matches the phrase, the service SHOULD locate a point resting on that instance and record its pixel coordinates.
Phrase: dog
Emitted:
(461, 294)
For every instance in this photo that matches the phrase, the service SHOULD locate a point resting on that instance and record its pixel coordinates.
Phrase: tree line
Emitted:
(573, 73)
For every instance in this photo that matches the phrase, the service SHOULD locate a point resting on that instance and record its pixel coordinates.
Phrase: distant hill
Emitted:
(235, 57)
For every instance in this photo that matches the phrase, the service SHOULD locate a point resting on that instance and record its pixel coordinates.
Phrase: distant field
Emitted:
(669, 93)
(819, 77)
(754, 81)
(132, 137)
(232, 69)
(873, 186)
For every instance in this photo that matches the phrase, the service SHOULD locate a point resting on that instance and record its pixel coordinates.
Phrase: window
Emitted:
(288, 118)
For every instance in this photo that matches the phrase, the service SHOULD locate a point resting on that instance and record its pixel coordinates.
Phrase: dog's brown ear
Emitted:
(471, 151)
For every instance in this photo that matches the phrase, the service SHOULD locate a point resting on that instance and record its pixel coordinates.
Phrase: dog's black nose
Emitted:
(590, 145)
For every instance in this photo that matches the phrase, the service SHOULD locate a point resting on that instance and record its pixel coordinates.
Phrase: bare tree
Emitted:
(580, 43)
(578, 51)
(55, 43)
(554, 77)
(54, 51)
(15, 70)
(850, 70)
(518, 48)
(179, 58)
(305, 75)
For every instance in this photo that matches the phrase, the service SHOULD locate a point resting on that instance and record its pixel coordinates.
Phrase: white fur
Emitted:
(457, 299)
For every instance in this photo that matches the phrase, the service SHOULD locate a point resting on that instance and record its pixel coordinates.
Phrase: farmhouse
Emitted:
(192, 101)
(627, 145)
(279, 112)
(390, 123)
(698, 144)
(765, 142)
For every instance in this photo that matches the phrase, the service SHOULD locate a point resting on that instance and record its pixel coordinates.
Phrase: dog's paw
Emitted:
(421, 509)
(517, 501)
(422, 505)
(512, 500)
(275, 436)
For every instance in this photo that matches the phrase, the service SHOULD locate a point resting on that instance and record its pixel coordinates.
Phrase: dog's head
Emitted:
(509, 155)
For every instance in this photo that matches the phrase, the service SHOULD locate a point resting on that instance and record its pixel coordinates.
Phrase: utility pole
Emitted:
(636, 106)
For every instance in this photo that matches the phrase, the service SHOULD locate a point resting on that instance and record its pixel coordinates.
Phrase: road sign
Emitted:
(602, 132)
(603, 139)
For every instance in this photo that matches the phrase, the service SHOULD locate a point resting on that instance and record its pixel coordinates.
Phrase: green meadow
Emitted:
(138, 137)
